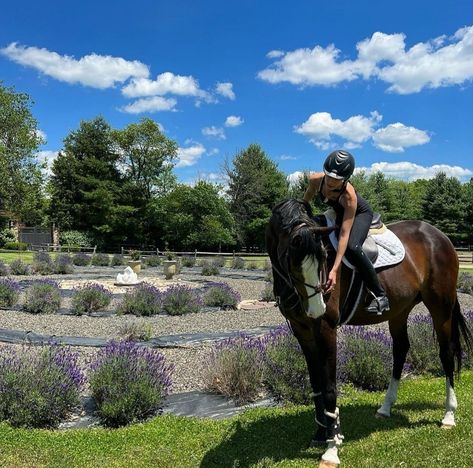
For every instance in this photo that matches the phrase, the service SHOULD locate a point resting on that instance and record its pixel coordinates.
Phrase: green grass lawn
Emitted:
(266, 437)
(8, 256)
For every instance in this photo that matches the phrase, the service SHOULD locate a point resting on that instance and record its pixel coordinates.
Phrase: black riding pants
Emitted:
(357, 257)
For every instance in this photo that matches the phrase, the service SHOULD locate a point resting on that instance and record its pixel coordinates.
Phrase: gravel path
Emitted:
(189, 362)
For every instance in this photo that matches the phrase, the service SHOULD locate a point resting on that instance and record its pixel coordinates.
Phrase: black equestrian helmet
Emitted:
(340, 165)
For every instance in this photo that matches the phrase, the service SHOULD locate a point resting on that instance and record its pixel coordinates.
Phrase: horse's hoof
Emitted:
(380, 415)
(447, 426)
(326, 464)
(317, 443)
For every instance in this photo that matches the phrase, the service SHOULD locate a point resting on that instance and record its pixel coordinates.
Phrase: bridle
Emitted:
(290, 281)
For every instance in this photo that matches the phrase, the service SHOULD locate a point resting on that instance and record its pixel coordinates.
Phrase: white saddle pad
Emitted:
(390, 248)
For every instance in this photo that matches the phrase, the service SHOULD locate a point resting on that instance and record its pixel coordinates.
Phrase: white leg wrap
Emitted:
(390, 398)
(450, 406)
(331, 454)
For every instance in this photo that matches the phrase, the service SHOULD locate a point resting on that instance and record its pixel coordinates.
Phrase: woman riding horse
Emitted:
(354, 216)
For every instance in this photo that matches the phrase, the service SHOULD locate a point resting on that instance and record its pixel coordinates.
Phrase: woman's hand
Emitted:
(331, 281)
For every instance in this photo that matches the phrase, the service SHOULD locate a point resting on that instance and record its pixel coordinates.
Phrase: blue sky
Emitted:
(390, 81)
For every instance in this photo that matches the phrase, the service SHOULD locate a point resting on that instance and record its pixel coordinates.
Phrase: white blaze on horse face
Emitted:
(310, 269)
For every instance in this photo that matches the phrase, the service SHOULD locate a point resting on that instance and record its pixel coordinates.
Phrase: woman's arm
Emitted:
(313, 187)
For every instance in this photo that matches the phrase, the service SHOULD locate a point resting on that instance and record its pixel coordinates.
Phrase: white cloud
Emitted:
(439, 62)
(233, 121)
(213, 152)
(225, 90)
(97, 71)
(395, 137)
(214, 132)
(47, 157)
(321, 128)
(42, 135)
(411, 171)
(152, 104)
(165, 83)
(286, 157)
(190, 155)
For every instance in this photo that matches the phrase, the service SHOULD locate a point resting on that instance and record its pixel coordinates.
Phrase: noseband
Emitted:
(291, 282)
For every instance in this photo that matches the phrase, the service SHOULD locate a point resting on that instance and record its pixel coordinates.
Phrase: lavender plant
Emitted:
(81, 259)
(144, 300)
(267, 294)
(467, 358)
(285, 370)
(42, 297)
(221, 295)
(188, 261)
(423, 354)
(128, 382)
(39, 387)
(209, 269)
(235, 368)
(100, 259)
(117, 260)
(9, 292)
(364, 357)
(136, 331)
(219, 261)
(252, 266)
(42, 263)
(63, 265)
(153, 261)
(238, 263)
(18, 267)
(465, 283)
(180, 300)
(91, 297)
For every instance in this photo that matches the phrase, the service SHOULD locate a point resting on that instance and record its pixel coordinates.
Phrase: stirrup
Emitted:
(378, 305)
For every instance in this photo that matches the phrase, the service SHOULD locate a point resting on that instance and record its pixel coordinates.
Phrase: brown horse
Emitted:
(297, 248)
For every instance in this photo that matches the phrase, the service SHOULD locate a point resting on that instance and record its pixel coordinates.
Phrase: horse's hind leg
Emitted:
(398, 330)
(441, 310)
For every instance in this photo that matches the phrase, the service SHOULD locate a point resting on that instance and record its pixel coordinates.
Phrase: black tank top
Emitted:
(362, 205)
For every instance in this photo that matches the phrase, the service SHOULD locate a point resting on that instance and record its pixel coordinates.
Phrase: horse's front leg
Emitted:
(327, 362)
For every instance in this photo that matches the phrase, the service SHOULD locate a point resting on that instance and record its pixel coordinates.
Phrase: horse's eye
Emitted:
(296, 241)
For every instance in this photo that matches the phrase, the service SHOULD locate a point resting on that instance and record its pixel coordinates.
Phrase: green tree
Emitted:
(255, 185)
(442, 204)
(194, 217)
(85, 186)
(467, 202)
(21, 195)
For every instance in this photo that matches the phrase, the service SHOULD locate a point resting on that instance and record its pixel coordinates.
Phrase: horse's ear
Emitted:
(323, 230)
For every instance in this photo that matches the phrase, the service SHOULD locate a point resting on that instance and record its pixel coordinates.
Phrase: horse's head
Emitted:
(301, 254)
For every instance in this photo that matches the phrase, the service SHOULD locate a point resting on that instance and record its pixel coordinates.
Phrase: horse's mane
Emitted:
(291, 212)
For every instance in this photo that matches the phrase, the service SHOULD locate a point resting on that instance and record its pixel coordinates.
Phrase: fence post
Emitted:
(195, 255)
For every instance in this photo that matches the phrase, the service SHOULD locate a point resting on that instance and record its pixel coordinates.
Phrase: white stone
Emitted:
(128, 277)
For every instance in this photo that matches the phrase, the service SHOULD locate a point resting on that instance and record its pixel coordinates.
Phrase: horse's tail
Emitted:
(460, 332)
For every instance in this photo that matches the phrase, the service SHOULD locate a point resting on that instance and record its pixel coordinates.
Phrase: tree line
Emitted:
(118, 187)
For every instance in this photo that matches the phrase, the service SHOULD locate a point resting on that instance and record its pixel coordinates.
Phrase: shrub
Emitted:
(42, 297)
(364, 357)
(81, 259)
(91, 297)
(465, 283)
(39, 386)
(188, 261)
(467, 358)
(238, 263)
(423, 354)
(6, 235)
(63, 265)
(136, 331)
(285, 372)
(234, 368)
(117, 260)
(219, 261)
(15, 246)
(221, 295)
(100, 259)
(268, 294)
(75, 238)
(145, 300)
(135, 255)
(9, 292)
(153, 261)
(267, 265)
(3, 269)
(252, 266)
(17, 267)
(209, 269)
(128, 382)
(180, 300)
(42, 263)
